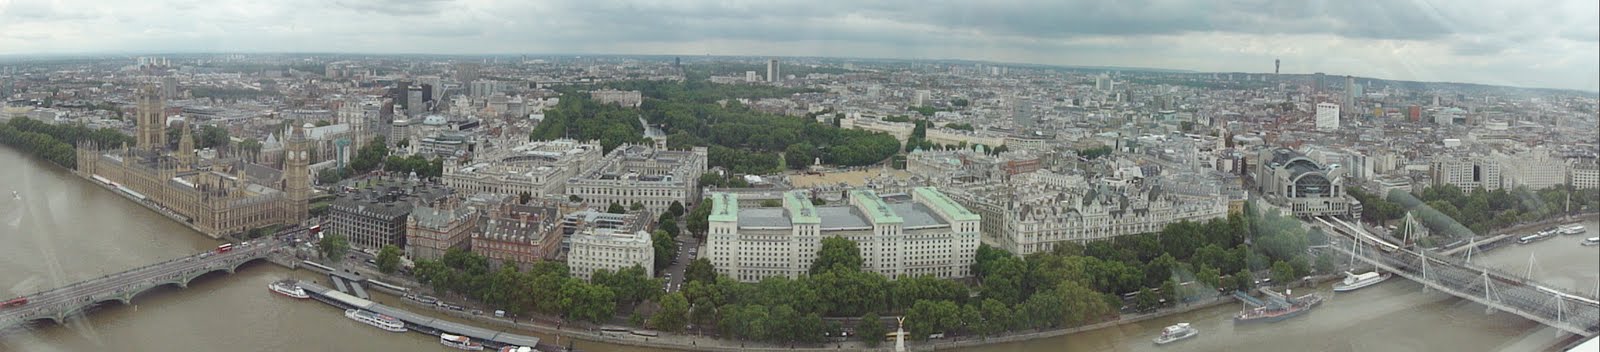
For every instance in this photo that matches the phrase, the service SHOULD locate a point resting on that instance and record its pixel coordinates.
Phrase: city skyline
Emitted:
(1414, 41)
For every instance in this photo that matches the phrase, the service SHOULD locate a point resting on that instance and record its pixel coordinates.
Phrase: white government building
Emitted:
(926, 233)
(539, 169)
(612, 249)
(652, 176)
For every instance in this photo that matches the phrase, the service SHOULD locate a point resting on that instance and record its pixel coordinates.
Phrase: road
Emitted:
(688, 249)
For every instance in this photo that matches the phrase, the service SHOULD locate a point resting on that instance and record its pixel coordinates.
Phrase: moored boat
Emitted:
(1176, 332)
(1572, 229)
(1592, 241)
(460, 342)
(1354, 282)
(387, 323)
(518, 349)
(1276, 312)
(288, 288)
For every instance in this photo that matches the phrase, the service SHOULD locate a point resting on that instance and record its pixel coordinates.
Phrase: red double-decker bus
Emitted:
(224, 248)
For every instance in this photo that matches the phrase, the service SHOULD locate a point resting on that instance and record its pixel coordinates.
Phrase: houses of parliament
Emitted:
(215, 196)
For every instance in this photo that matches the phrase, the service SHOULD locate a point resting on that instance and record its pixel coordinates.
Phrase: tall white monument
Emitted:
(900, 335)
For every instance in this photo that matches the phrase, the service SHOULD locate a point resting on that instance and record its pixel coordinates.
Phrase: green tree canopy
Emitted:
(700, 270)
(871, 329)
(389, 259)
(334, 246)
(837, 253)
(673, 315)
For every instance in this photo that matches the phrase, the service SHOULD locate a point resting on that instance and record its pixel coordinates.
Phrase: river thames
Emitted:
(65, 229)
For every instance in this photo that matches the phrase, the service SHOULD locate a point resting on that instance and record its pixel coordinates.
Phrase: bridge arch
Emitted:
(48, 318)
(129, 296)
(236, 266)
(225, 268)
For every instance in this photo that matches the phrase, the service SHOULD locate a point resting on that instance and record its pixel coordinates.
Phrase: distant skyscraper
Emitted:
(169, 87)
(750, 76)
(466, 72)
(1350, 93)
(1415, 113)
(432, 87)
(1277, 65)
(772, 71)
(1320, 82)
(414, 104)
(1327, 117)
(483, 88)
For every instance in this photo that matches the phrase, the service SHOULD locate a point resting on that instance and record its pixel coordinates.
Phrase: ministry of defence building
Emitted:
(923, 233)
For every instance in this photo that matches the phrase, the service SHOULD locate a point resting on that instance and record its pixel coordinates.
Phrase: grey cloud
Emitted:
(395, 7)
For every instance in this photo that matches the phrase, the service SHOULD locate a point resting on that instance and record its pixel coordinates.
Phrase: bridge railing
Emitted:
(264, 247)
(1520, 294)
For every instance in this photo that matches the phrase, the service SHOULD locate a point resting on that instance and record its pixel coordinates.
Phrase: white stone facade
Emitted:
(541, 169)
(597, 248)
(927, 234)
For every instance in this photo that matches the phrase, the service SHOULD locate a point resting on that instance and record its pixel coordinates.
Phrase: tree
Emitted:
(636, 206)
(1301, 265)
(616, 209)
(871, 329)
(928, 317)
(700, 270)
(673, 314)
(665, 248)
(798, 156)
(629, 285)
(370, 156)
(388, 259)
(524, 197)
(771, 203)
(1146, 299)
(698, 220)
(583, 301)
(1325, 264)
(1242, 280)
(1282, 272)
(997, 317)
(1209, 276)
(334, 246)
(1080, 305)
(574, 198)
(676, 209)
(837, 253)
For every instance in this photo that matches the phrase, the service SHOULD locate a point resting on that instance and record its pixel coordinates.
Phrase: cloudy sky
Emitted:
(1532, 43)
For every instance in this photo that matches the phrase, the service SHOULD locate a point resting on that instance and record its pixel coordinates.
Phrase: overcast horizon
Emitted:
(1481, 42)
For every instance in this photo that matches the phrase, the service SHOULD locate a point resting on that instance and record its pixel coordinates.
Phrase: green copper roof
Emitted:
(724, 207)
(875, 208)
(800, 209)
(950, 208)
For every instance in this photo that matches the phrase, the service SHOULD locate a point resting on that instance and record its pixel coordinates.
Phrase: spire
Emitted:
(186, 146)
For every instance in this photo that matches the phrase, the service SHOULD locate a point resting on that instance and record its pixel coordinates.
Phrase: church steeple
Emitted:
(186, 147)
